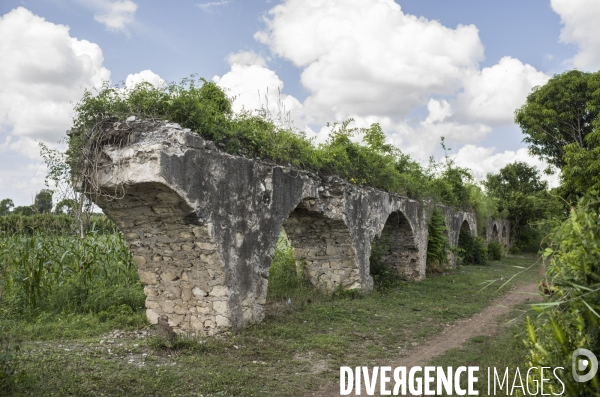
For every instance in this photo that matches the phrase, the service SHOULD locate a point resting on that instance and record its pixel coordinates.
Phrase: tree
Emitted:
(521, 196)
(59, 174)
(43, 201)
(561, 112)
(5, 206)
(581, 172)
(65, 206)
(24, 210)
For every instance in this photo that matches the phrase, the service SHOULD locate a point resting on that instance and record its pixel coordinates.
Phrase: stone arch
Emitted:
(495, 233)
(177, 260)
(466, 227)
(323, 249)
(399, 248)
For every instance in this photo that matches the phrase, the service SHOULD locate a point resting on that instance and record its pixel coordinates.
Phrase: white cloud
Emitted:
(580, 27)
(208, 6)
(438, 110)
(44, 71)
(482, 160)
(246, 58)
(115, 15)
(493, 94)
(144, 76)
(254, 87)
(371, 61)
(369, 58)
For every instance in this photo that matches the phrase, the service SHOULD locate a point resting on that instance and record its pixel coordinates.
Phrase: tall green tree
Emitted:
(43, 201)
(581, 172)
(521, 196)
(5, 206)
(563, 111)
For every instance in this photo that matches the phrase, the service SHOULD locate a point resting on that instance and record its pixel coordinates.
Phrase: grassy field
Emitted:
(298, 347)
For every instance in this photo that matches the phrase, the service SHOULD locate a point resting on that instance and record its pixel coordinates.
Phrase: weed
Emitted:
(495, 250)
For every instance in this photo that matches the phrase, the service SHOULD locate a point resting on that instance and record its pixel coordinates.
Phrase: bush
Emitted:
(471, 249)
(438, 246)
(203, 107)
(384, 277)
(495, 250)
(569, 318)
(283, 276)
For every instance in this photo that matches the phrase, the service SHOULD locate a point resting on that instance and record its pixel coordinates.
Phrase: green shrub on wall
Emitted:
(204, 108)
(471, 250)
(438, 245)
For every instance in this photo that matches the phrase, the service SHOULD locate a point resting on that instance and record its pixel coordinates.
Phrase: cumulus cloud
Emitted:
(373, 62)
(246, 58)
(115, 15)
(484, 160)
(254, 86)
(368, 57)
(144, 76)
(493, 94)
(580, 27)
(43, 72)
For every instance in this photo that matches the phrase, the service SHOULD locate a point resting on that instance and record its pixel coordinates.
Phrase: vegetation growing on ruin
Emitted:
(438, 245)
(204, 108)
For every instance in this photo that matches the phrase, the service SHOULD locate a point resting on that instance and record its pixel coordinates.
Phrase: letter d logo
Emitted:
(580, 364)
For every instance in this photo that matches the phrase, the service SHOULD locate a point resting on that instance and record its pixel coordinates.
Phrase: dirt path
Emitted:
(453, 336)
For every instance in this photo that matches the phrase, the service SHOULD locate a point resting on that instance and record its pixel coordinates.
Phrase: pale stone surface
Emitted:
(202, 226)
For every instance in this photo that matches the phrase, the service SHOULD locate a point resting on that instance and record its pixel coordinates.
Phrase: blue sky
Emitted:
(422, 69)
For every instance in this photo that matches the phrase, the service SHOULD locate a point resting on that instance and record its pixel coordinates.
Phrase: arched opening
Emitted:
(495, 233)
(395, 250)
(504, 239)
(322, 250)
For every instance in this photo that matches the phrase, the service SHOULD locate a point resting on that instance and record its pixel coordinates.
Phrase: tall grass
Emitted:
(67, 274)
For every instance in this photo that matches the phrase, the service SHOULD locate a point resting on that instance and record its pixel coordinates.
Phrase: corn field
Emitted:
(67, 273)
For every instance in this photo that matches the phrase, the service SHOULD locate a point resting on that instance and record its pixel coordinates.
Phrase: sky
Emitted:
(423, 69)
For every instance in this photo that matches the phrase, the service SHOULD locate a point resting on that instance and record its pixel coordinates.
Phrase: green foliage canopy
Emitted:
(570, 316)
(5, 206)
(563, 111)
(43, 201)
(521, 196)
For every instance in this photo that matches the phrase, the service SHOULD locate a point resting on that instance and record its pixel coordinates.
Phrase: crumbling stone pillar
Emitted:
(177, 260)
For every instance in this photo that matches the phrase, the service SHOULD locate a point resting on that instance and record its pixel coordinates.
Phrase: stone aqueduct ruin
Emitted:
(202, 226)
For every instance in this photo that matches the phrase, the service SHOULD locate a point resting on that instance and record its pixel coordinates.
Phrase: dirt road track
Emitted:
(453, 336)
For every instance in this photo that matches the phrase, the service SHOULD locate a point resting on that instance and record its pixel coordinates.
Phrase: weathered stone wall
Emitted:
(497, 230)
(203, 225)
(455, 221)
(400, 251)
